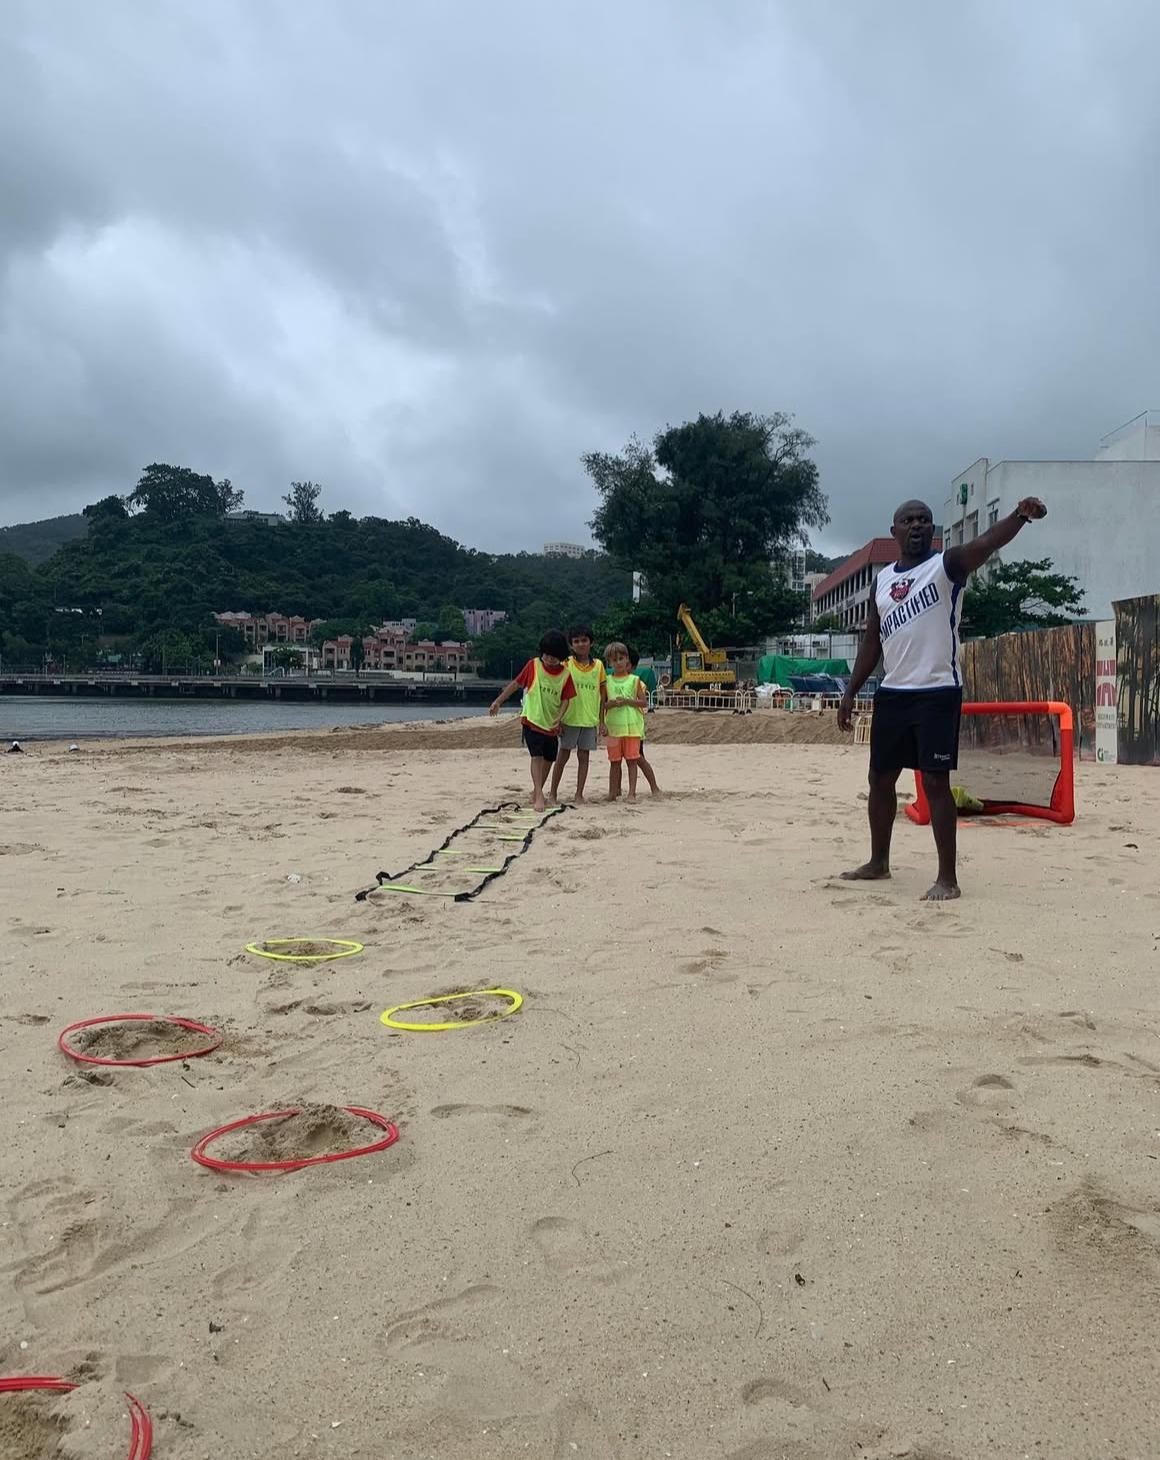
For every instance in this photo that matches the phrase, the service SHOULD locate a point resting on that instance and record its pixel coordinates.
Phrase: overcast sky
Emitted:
(429, 254)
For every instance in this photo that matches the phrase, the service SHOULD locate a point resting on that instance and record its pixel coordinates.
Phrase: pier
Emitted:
(347, 688)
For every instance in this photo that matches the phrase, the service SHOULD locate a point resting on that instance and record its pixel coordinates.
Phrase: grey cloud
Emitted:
(429, 256)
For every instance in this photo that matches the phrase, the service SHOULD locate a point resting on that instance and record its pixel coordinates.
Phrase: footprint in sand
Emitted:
(502, 1113)
(772, 1391)
(709, 964)
(465, 1374)
(568, 1249)
(801, 1431)
(87, 1079)
(990, 1092)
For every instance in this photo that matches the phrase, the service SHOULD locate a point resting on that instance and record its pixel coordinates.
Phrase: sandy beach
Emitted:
(767, 1167)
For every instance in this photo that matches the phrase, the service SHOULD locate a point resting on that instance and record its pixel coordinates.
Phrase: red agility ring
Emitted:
(212, 1162)
(192, 1025)
(140, 1425)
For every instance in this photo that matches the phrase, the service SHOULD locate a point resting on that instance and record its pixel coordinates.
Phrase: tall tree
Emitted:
(451, 624)
(111, 508)
(1020, 595)
(706, 509)
(167, 493)
(302, 500)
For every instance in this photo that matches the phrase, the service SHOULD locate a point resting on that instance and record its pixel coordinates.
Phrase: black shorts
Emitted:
(915, 729)
(543, 747)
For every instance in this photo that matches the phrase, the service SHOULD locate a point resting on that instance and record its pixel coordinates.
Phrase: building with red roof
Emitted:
(845, 593)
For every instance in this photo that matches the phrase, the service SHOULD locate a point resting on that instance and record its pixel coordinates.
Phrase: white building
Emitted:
(565, 550)
(1103, 516)
(791, 565)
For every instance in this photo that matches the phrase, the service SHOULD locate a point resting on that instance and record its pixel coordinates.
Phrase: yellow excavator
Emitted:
(702, 668)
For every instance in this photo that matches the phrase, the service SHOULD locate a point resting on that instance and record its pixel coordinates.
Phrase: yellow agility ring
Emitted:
(514, 1000)
(343, 948)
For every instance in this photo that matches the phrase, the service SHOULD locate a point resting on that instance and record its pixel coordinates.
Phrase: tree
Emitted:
(451, 626)
(504, 651)
(640, 625)
(286, 658)
(1020, 595)
(168, 651)
(706, 510)
(334, 628)
(819, 563)
(827, 623)
(170, 493)
(111, 508)
(302, 500)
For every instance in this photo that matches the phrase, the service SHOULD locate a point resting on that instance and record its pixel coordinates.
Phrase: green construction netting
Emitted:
(779, 668)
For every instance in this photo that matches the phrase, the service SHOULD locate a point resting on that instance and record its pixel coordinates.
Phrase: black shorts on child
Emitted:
(544, 747)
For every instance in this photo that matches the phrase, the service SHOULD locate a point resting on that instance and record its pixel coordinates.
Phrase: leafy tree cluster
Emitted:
(152, 569)
(703, 514)
(1009, 597)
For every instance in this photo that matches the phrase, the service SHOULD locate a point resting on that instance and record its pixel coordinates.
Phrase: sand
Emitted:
(768, 1167)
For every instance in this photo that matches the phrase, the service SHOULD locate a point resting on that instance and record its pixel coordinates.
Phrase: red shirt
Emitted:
(526, 678)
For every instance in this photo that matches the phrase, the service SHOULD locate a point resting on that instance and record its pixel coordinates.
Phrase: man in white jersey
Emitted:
(913, 626)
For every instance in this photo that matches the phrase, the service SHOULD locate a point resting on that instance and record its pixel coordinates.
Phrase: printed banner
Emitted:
(1107, 701)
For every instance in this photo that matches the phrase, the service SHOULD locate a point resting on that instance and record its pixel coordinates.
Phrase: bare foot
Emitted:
(942, 892)
(868, 872)
(632, 796)
(579, 800)
(539, 805)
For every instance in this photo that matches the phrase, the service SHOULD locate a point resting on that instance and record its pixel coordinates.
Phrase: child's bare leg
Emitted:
(632, 780)
(558, 771)
(647, 772)
(539, 776)
(613, 780)
(581, 774)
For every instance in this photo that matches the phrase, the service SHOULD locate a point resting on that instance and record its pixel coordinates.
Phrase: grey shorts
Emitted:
(578, 737)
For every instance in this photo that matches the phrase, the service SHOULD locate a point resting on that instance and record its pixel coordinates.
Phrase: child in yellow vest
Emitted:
(646, 770)
(582, 712)
(547, 688)
(623, 720)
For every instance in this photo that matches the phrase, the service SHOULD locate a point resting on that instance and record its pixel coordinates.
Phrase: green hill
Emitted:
(36, 542)
(133, 583)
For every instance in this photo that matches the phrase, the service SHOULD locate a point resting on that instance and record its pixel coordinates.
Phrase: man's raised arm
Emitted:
(963, 560)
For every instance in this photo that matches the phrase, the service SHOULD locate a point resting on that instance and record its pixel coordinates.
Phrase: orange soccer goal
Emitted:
(1015, 759)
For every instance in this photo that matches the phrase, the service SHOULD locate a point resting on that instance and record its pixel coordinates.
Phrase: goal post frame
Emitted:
(1062, 807)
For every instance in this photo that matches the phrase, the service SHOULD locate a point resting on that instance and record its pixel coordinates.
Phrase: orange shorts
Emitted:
(623, 747)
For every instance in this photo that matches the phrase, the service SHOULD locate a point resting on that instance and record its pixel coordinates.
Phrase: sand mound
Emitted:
(666, 727)
(29, 1429)
(466, 1008)
(91, 1423)
(314, 1130)
(300, 948)
(137, 1039)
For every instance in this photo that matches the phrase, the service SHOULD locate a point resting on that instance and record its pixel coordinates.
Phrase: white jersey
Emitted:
(919, 609)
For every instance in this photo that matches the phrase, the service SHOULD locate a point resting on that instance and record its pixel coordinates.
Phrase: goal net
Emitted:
(1015, 759)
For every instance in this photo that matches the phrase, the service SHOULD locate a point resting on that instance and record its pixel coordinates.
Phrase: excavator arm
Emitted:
(686, 619)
